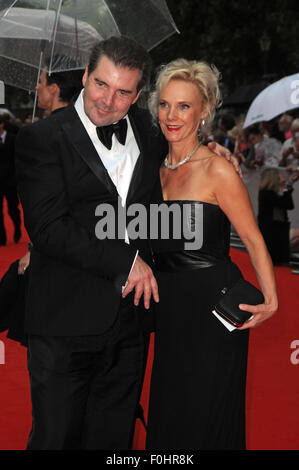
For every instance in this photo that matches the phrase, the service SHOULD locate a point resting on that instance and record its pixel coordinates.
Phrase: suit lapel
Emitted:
(144, 168)
(80, 140)
(144, 172)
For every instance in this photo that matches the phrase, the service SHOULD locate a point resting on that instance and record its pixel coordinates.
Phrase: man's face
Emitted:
(44, 91)
(109, 91)
(283, 124)
(254, 139)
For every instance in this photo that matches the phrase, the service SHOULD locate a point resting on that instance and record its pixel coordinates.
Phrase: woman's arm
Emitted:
(233, 198)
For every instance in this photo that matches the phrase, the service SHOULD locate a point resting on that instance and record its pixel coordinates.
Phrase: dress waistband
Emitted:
(183, 261)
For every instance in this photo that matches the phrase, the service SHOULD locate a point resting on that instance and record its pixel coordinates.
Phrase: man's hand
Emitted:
(294, 176)
(24, 263)
(142, 279)
(224, 152)
(239, 155)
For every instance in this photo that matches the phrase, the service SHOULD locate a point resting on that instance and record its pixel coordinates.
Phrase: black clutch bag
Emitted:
(242, 292)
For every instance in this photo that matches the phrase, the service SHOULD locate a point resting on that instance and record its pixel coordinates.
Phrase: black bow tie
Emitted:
(105, 133)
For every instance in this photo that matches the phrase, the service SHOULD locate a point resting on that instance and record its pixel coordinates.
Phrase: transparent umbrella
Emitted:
(6, 111)
(2, 93)
(61, 33)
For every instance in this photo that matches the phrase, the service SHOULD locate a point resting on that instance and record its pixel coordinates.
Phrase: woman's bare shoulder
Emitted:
(220, 167)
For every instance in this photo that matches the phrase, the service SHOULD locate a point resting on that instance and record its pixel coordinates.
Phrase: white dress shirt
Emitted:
(3, 137)
(119, 161)
(268, 152)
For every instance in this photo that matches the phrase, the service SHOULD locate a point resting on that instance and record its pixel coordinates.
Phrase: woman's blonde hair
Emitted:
(205, 77)
(295, 126)
(269, 179)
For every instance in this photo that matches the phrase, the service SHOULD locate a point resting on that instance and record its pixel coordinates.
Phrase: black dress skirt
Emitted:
(197, 395)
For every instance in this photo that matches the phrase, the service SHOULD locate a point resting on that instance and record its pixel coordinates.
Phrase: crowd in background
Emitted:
(268, 153)
(267, 145)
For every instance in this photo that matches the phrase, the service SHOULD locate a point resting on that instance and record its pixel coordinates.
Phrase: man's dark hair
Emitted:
(68, 82)
(123, 52)
(253, 130)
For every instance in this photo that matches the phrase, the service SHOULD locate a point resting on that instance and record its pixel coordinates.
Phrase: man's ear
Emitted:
(137, 96)
(84, 78)
(54, 88)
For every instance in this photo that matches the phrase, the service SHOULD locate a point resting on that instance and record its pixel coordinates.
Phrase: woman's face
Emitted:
(180, 110)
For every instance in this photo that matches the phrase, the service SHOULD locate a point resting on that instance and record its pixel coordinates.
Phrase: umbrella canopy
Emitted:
(274, 100)
(64, 32)
(6, 111)
(26, 42)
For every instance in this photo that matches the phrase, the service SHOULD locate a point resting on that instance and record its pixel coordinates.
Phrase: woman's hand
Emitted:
(233, 199)
(224, 152)
(260, 313)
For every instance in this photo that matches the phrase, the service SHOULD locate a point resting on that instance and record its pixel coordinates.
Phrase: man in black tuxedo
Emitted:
(55, 92)
(8, 183)
(85, 353)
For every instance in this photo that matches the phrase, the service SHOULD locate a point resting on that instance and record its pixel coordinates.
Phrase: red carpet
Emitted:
(15, 406)
(273, 371)
(272, 403)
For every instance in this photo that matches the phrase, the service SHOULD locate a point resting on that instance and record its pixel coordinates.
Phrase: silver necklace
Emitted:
(186, 159)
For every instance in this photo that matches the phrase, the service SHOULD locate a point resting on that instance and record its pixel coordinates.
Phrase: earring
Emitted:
(199, 136)
(203, 122)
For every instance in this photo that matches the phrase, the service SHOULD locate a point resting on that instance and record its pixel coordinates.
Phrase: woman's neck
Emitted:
(179, 150)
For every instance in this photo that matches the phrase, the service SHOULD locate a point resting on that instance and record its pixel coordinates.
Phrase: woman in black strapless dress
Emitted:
(197, 396)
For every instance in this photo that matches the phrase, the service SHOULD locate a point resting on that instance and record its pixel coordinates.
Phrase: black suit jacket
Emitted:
(7, 162)
(75, 279)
